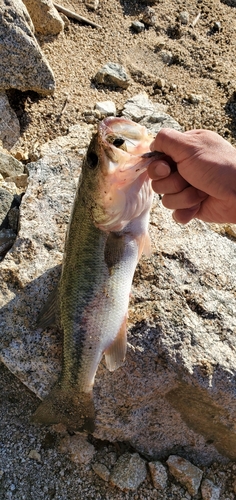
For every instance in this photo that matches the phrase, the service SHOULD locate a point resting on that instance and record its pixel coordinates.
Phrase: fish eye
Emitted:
(92, 159)
(118, 142)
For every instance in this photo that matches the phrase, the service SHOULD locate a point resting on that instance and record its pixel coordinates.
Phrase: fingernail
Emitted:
(162, 169)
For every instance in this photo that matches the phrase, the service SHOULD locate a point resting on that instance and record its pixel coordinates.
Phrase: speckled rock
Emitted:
(186, 473)
(209, 490)
(9, 123)
(128, 472)
(176, 390)
(149, 16)
(9, 166)
(113, 74)
(6, 200)
(137, 26)
(79, 449)
(22, 64)
(140, 108)
(101, 470)
(45, 16)
(159, 475)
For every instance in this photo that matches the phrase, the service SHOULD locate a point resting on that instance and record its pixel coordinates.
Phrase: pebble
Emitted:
(184, 17)
(92, 4)
(167, 56)
(209, 490)
(113, 74)
(80, 450)
(159, 475)
(138, 26)
(106, 108)
(128, 472)
(186, 473)
(35, 455)
(160, 83)
(101, 470)
(195, 98)
(149, 16)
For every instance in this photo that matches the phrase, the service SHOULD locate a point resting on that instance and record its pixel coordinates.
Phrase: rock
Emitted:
(9, 166)
(101, 470)
(78, 448)
(6, 200)
(167, 56)
(140, 109)
(209, 490)
(176, 390)
(160, 83)
(35, 455)
(113, 74)
(128, 472)
(149, 16)
(45, 16)
(9, 123)
(92, 4)
(184, 17)
(138, 26)
(186, 473)
(106, 108)
(22, 65)
(159, 475)
(195, 98)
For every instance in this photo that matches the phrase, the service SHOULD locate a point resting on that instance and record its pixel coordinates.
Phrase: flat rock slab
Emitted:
(22, 64)
(175, 393)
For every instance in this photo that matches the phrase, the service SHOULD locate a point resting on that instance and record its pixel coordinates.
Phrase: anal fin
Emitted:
(115, 354)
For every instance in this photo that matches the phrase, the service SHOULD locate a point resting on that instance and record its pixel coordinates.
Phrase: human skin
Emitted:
(197, 175)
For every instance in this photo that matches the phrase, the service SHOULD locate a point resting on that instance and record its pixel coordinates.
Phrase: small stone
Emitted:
(106, 108)
(160, 83)
(167, 56)
(9, 166)
(80, 450)
(138, 26)
(209, 490)
(159, 475)
(184, 17)
(186, 473)
(113, 74)
(149, 16)
(195, 98)
(173, 86)
(35, 455)
(129, 472)
(101, 470)
(92, 4)
(217, 26)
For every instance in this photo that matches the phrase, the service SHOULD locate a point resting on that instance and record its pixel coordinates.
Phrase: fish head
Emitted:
(118, 185)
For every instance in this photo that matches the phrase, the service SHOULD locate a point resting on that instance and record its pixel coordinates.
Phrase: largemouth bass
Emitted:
(107, 233)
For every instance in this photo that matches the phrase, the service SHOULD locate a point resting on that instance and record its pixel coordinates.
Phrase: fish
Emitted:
(106, 235)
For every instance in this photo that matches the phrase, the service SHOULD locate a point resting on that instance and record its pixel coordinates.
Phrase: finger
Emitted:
(171, 142)
(188, 198)
(159, 169)
(172, 184)
(184, 216)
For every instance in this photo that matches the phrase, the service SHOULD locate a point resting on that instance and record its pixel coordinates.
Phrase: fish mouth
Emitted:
(123, 144)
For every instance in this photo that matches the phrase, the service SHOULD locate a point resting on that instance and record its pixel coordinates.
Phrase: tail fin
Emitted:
(69, 407)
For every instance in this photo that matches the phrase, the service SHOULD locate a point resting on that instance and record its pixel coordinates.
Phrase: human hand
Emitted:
(203, 183)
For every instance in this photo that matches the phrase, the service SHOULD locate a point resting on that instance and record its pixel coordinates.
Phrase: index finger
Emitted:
(172, 143)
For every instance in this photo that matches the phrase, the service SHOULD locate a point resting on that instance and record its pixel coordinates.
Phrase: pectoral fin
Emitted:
(144, 245)
(115, 354)
(47, 315)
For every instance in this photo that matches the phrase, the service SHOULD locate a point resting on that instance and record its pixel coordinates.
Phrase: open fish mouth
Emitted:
(125, 146)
